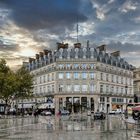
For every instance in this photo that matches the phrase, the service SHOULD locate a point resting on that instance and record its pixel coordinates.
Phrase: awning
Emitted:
(26, 105)
(137, 108)
(46, 105)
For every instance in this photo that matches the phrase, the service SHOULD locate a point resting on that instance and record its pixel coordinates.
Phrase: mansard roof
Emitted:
(79, 52)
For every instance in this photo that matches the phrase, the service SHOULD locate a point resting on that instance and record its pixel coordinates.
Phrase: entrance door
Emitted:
(83, 104)
(69, 104)
(76, 104)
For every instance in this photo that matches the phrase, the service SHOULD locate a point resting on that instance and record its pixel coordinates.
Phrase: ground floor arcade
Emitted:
(83, 103)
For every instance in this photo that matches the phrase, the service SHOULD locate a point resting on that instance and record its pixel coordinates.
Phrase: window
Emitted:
(84, 75)
(68, 66)
(60, 66)
(68, 75)
(49, 89)
(61, 75)
(84, 66)
(112, 89)
(101, 76)
(91, 75)
(106, 77)
(102, 99)
(52, 76)
(101, 88)
(76, 75)
(69, 88)
(44, 78)
(40, 79)
(107, 88)
(112, 77)
(113, 99)
(91, 66)
(76, 87)
(52, 88)
(61, 88)
(84, 87)
(91, 88)
(76, 66)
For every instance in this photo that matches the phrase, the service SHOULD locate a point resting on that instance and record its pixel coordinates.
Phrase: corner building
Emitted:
(80, 78)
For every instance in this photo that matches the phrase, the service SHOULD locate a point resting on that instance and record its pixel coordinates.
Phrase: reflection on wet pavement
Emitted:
(65, 128)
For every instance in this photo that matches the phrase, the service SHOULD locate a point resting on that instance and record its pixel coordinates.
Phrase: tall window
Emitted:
(52, 76)
(84, 87)
(106, 77)
(84, 66)
(91, 87)
(76, 87)
(107, 88)
(44, 78)
(84, 75)
(69, 88)
(101, 88)
(61, 88)
(76, 75)
(91, 75)
(101, 76)
(68, 75)
(52, 88)
(61, 75)
(76, 66)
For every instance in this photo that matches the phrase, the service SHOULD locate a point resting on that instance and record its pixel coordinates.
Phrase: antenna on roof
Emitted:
(77, 29)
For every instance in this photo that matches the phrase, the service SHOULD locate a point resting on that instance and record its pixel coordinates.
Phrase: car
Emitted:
(115, 112)
(99, 115)
(65, 112)
(46, 113)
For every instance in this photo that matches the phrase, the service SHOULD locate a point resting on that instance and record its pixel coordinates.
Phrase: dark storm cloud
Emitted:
(37, 14)
(124, 47)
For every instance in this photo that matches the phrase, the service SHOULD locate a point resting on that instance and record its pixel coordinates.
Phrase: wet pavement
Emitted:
(66, 128)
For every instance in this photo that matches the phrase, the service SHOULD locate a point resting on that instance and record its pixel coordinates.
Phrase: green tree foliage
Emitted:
(24, 83)
(14, 85)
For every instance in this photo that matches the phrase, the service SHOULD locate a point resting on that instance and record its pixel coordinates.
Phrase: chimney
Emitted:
(46, 52)
(116, 53)
(41, 54)
(62, 45)
(37, 56)
(77, 45)
(31, 59)
(102, 48)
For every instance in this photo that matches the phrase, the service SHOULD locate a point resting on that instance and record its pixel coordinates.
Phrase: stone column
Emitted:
(96, 103)
(64, 102)
(56, 105)
(89, 102)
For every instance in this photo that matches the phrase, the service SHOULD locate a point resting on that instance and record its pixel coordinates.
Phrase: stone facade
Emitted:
(82, 78)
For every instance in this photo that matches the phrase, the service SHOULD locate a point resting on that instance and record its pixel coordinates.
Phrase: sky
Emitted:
(29, 26)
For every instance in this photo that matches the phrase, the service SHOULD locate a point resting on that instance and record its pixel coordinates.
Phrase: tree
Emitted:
(14, 85)
(24, 83)
(7, 83)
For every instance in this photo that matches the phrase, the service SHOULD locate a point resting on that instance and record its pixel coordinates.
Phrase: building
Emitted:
(137, 83)
(80, 78)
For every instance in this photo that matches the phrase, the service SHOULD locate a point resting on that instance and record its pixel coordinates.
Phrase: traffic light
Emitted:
(135, 98)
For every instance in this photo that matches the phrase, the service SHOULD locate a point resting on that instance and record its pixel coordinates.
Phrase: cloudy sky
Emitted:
(29, 26)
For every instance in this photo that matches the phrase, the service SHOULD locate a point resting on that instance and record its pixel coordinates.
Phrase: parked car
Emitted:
(99, 115)
(115, 111)
(65, 112)
(46, 113)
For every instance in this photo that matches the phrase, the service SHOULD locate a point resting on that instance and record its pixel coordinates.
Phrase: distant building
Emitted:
(137, 83)
(80, 78)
